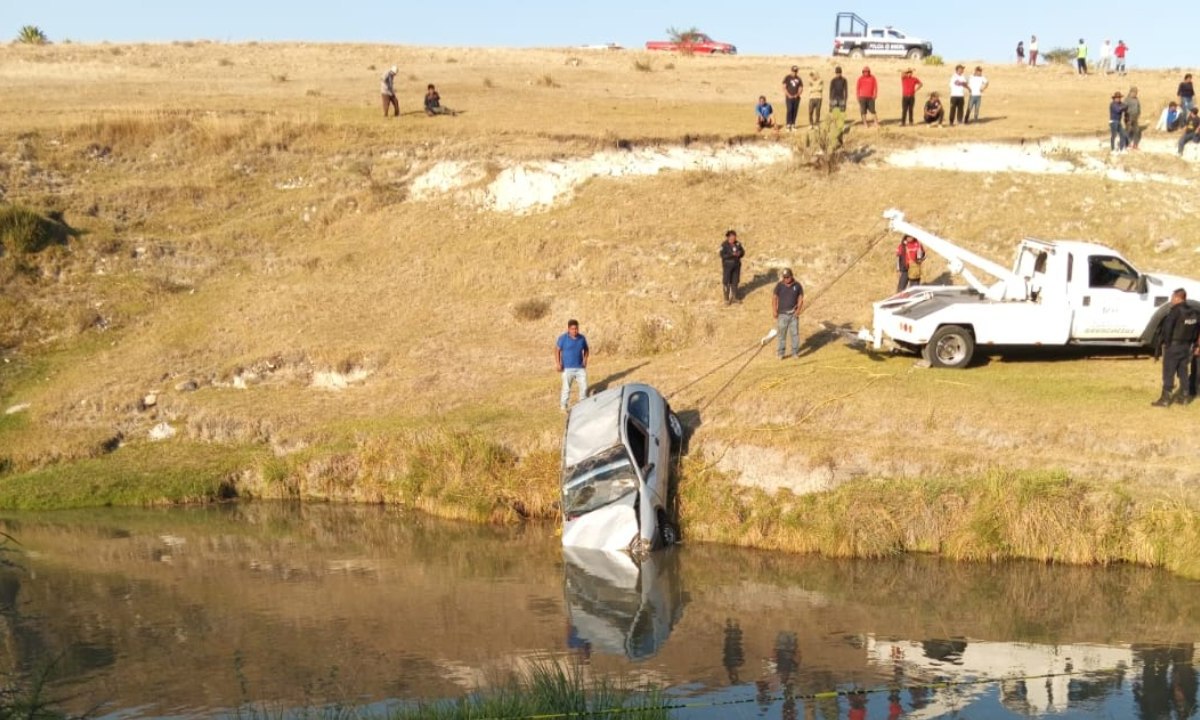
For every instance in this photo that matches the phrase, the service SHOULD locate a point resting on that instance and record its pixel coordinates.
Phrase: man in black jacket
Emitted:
(1176, 342)
(731, 266)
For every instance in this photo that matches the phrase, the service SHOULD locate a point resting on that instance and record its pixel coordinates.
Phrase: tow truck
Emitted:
(1058, 293)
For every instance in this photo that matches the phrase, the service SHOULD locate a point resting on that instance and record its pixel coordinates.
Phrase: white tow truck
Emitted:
(1057, 293)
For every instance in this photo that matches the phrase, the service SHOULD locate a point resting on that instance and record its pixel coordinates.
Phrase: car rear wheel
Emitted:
(916, 54)
(950, 347)
(856, 53)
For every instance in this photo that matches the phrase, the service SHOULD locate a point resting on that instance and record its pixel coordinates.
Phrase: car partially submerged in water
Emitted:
(617, 490)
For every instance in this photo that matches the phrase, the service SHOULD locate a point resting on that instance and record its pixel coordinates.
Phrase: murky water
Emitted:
(193, 612)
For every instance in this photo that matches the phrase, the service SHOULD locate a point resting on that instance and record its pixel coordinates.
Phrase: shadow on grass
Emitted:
(604, 383)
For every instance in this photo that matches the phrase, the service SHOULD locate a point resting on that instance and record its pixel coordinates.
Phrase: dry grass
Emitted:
(277, 222)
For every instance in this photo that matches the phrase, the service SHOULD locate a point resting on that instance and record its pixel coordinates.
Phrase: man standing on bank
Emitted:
(1176, 342)
(731, 266)
(786, 303)
(571, 357)
(792, 87)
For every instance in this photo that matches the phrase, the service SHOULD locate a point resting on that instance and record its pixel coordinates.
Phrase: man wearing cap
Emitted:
(1116, 126)
(731, 266)
(909, 85)
(571, 357)
(976, 84)
(792, 87)
(867, 90)
(387, 89)
(786, 303)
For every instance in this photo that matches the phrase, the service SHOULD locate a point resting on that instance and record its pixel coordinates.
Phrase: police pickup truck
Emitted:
(1058, 292)
(853, 37)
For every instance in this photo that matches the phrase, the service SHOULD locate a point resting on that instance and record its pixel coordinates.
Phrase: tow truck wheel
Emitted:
(856, 53)
(915, 54)
(950, 347)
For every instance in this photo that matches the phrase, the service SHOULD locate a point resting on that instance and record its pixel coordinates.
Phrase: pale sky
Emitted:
(1159, 35)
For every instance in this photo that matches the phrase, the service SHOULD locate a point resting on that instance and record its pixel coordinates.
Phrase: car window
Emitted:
(639, 442)
(598, 481)
(877, 33)
(1105, 271)
(639, 407)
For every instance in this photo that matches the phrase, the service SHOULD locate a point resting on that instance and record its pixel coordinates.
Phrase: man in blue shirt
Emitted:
(571, 357)
(764, 113)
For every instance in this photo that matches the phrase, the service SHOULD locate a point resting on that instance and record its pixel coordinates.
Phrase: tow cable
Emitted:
(757, 347)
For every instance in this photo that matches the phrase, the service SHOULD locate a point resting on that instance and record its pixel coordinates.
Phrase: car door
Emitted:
(1106, 302)
(646, 443)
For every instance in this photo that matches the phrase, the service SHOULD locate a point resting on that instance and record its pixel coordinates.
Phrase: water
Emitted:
(196, 612)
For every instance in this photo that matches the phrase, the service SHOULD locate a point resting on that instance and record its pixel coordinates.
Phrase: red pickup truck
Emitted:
(695, 43)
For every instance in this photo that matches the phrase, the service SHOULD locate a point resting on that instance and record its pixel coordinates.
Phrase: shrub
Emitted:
(685, 39)
(280, 78)
(488, 83)
(1059, 56)
(547, 80)
(531, 309)
(31, 35)
(934, 60)
(24, 231)
(642, 66)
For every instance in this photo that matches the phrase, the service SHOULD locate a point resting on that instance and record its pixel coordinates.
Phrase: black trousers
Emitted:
(956, 109)
(906, 109)
(1176, 359)
(793, 109)
(731, 274)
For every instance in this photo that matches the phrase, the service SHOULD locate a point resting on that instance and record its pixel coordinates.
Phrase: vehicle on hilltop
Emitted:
(693, 42)
(854, 37)
(1058, 293)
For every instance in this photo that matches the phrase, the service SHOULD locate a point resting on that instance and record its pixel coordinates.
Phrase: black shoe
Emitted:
(1163, 400)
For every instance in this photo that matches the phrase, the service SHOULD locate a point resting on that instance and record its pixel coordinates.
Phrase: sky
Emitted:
(960, 30)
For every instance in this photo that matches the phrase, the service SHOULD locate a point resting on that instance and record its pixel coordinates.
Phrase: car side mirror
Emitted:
(1143, 285)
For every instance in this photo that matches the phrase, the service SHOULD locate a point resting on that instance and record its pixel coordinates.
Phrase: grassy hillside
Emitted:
(234, 246)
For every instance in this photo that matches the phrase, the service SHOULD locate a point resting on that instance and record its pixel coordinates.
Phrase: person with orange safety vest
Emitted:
(909, 256)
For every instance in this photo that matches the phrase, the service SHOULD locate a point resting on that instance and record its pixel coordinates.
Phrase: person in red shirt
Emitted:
(909, 256)
(1119, 51)
(867, 90)
(909, 85)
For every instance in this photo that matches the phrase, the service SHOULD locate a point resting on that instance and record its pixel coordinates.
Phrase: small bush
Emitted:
(312, 92)
(31, 35)
(1059, 56)
(487, 83)
(24, 231)
(531, 309)
(669, 66)
(934, 60)
(451, 60)
(643, 66)
(224, 62)
(547, 80)
(280, 78)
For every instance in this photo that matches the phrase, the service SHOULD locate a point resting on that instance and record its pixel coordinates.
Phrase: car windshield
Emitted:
(599, 480)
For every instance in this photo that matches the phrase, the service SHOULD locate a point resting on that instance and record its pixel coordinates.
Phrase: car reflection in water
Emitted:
(620, 606)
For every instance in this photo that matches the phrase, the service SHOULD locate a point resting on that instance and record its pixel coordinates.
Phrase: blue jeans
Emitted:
(784, 324)
(1185, 106)
(973, 108)
(579, 375)
(1116, 130)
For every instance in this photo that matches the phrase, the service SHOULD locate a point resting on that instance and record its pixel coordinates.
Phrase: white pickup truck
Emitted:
(1057, 293)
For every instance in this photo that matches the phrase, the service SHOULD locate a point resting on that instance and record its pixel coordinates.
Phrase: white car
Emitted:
(617, 493)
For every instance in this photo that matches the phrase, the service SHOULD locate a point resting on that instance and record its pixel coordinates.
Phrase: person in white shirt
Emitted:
(958, 92)
(1032, 50)
(976, 84)
(1105, 57)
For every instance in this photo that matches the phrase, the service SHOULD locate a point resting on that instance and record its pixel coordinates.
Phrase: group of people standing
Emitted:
(965, 92)
(1108, 54)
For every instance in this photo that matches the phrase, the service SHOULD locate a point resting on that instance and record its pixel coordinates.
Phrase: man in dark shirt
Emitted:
(731, 266)
(1176, 342)
(1186, 93)
(792, 87)
(839, 91)
(1191, 129)
(786, 303)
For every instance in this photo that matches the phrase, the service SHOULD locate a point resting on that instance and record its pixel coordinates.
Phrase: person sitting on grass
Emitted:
(1170, 120)
(764, 113)
(934, 111)
(433, 103)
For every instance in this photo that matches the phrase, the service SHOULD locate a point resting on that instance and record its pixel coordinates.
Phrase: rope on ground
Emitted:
(820, 695)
